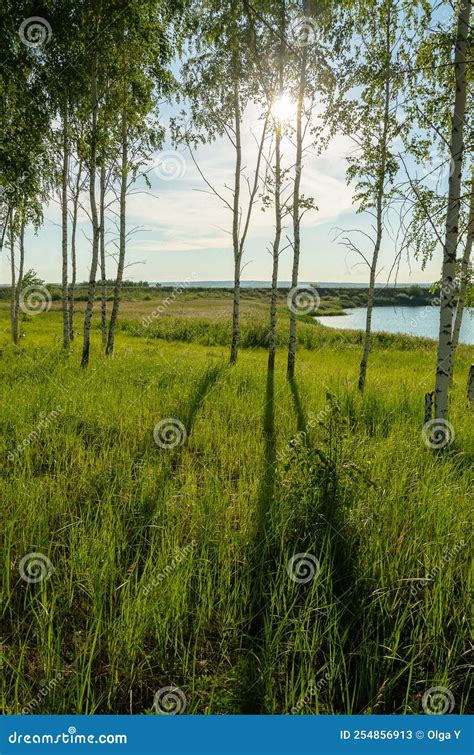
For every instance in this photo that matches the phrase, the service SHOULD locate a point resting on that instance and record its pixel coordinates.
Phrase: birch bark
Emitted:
(378, 211)
(64, 228)
(122, 238)
(103, 275)
(95, 221)
(236, 222)
(72, 288)
(464, 277)
(452, 220)
(296, 210)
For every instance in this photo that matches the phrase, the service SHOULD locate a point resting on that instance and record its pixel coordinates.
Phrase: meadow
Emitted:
(298, 550)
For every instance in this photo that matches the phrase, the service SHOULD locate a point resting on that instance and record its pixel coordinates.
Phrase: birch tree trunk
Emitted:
(464, 278)
(103, 276)
(122, 238)
(378, 212)
(64, 219)
(296, 209)
(277, 199)
(5, 222)
(95, 222)
(452, 220)
(19, 283)
(236, 223)
(72, 287)
(275, 252)
(13, 318)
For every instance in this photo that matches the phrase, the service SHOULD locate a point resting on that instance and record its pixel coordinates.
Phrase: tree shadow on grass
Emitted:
(319, 527)
(301, 420)
(170, 459)
(251, 691)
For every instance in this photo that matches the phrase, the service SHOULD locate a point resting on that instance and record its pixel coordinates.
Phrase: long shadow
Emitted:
(324, 532)
(252, 687)
(171, 458)
(301, 420)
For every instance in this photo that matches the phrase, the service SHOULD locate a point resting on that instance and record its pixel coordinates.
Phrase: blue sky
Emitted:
(182, 232)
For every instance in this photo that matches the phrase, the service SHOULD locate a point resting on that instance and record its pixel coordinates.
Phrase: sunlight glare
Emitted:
(284, 108)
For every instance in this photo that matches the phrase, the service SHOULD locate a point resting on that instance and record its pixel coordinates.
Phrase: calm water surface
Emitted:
(415, 321)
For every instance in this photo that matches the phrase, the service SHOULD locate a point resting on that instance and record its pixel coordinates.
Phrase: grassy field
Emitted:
(176, 566)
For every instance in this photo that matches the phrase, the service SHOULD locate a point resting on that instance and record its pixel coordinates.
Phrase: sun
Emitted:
(284, 108)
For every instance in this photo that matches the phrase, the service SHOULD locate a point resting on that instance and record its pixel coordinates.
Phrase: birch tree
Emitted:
(219, 83)
(147, 41)
(376, 66)
(444, 187)
(312, 44)
(456, 149)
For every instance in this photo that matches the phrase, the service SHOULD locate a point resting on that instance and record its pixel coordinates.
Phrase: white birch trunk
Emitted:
(464, 278)
(64, 224)
(452, 219)
(379, 213)
(13, 319)
(236, 224)
(95, 223)
(296, 211)
(72, 287)
(277, 199)
(122, 238)
(103, 275)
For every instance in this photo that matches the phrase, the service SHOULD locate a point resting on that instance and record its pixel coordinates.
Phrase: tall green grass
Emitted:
(170, 567)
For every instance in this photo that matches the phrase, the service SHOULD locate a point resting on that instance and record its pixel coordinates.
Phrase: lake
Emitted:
(415, 321)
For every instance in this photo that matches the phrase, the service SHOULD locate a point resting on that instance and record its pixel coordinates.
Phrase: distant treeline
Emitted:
(343, 298)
